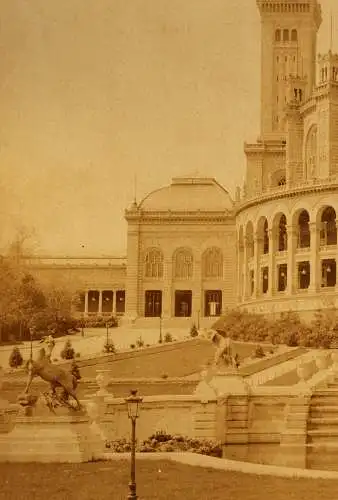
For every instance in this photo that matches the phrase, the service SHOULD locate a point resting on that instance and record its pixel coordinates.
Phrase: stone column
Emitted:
(132, 282)
(291, 270)
(100, 303)
(86, 303)
(196, 299)
(256, 266)
(167, 286)
(240, 266)
(114, 302)
(272, 270)
(314, 261)
(244, 274)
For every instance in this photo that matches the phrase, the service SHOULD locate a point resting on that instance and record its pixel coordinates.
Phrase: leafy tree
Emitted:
(15, 358)
(68, 352)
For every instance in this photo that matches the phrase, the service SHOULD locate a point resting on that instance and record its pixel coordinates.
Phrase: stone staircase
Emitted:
(322, 428)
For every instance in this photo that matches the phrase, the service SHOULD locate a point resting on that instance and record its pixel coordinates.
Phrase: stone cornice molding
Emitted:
(173, 217)
(316, 186)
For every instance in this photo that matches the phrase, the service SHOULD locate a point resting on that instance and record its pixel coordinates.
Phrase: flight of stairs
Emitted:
(322, 428)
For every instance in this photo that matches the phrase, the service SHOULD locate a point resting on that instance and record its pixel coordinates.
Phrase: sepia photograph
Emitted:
(168, 249)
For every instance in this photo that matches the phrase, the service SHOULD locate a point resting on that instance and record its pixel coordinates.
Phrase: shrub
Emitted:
(168, 337)
(15, 358)
(109, 347)
(140, 342)
(132, 346)
(75, 370)
(258, 352)
(193, 331)
(164, 375)
(77, 355)
(68, 351)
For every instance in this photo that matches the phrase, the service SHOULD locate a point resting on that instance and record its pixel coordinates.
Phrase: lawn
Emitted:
(158, 480)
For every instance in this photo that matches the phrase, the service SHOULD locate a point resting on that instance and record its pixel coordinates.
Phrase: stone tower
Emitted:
(288, 50)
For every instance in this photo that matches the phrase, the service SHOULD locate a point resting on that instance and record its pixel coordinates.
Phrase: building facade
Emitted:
(193, 252)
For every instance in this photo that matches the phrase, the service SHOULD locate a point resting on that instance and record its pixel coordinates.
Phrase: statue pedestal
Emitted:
(222, 383)
(46, 437)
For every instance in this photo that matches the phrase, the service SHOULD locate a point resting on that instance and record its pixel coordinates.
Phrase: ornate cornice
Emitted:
(179, 217)
(316, 186)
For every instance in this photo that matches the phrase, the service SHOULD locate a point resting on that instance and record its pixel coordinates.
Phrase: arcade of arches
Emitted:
(289, 256)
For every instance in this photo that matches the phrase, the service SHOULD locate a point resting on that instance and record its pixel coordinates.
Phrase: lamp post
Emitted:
(107, 327)
(160, 340)
(133, 405)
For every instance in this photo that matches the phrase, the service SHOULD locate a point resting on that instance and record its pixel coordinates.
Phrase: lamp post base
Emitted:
(132, 495)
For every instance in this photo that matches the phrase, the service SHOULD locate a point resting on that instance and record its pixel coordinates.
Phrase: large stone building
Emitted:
(192, 252)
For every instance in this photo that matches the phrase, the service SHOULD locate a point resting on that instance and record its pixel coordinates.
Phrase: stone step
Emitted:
(321, 423)
(321, 436)
(325, 411)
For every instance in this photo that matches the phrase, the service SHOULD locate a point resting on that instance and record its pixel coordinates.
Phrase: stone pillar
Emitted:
(240, 266)
(132, 282)
(256, 266)
(314, 261)
(272, 270)
(291, 271)
(86, 303)
(196, 299)
(244, 274)
(114, 302)
(167, 287)
(99, 312)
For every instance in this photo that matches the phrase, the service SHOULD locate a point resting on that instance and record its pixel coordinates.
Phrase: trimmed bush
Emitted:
(258, 352)
(168, 337)
(67, 352)
(140, 342)
(15, 358)
(109, 348)
(132, 346)
(193, 331)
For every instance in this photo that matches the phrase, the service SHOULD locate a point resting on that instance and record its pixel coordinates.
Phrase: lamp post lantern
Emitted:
(133, 406)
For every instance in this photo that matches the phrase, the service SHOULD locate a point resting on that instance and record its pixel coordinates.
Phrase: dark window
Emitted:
(265, 279)
(107, 301)
(328, 272)
(285, 35)
(294, 35)
(277, 35)
(153, 303)
(183, 301)
(282, 277)
(303, 275)
(93, 301)
(212, 303)
(120, 301)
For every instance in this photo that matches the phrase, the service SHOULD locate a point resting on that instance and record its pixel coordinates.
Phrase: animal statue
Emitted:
(56, 376)
(224, 351)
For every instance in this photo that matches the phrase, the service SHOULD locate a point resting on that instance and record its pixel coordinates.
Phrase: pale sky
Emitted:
(92, 92)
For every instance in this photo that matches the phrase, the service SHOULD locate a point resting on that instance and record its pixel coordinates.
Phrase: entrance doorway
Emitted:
(212, 303)
(153, 303)
(183, 300)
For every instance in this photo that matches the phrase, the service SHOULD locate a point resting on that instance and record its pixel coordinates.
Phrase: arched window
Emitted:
(154, 263)
(183, 264)
(277, 35)
(303, 230)
(282, 234)
(213, 263)
(328, 233)
(294, 36)
(311, 153)
(285, 35)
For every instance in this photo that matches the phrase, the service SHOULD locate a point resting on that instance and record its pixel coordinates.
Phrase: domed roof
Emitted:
(189, 194)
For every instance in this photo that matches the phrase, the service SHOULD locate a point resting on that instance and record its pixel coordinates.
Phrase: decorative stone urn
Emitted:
(102, 380)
